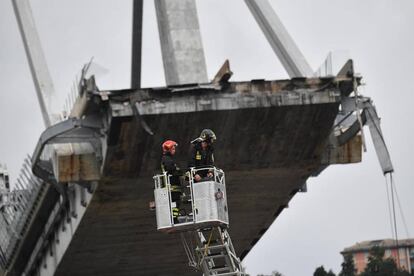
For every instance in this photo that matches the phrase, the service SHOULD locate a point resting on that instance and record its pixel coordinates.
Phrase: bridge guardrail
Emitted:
(16, 212)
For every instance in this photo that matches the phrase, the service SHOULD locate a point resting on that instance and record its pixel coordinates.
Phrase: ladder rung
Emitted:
(221, 269)
(218, 258)
(213, 242)
(211, 247)
(214, 256)
(231, 274)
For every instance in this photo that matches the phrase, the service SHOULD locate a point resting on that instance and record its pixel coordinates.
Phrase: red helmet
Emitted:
(168, 145)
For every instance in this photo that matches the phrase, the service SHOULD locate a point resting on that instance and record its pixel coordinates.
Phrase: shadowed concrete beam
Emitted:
(181, 45)
(279, 38)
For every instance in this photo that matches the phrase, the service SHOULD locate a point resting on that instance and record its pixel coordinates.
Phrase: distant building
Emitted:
(10, 199)
(360, 252)
(4, 185)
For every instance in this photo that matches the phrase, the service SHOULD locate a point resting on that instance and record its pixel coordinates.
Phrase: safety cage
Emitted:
(192, 205)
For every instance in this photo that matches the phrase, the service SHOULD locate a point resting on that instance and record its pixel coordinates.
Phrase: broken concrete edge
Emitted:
(343, 83)
(347, 153)
(224, 73)
(347, 70)
(230, 96)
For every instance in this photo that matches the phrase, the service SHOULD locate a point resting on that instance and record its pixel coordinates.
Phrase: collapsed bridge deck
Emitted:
(272, 136)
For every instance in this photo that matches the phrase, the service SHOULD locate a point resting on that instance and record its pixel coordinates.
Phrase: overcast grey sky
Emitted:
(344, 204)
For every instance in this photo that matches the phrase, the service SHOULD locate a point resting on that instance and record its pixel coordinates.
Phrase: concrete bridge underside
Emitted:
(267, 153)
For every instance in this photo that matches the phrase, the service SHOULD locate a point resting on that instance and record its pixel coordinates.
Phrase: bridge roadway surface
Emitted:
(270, 140)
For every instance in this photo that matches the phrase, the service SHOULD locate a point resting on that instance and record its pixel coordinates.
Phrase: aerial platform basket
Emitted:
(200, 205)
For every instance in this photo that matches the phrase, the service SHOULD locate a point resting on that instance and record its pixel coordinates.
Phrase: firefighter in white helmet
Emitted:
(202, 154)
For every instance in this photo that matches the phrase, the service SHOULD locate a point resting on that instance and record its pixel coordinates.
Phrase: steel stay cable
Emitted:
(401, 209)
(389, 206)
(395, 220)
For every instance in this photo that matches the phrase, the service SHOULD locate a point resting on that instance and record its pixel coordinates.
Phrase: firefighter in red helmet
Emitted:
(169, 166)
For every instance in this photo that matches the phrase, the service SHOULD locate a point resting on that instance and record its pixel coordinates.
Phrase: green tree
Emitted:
(378, 266)
(348, 266)
(320, 271)
(330, 273)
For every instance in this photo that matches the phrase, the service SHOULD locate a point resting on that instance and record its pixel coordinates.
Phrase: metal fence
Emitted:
(16, 211)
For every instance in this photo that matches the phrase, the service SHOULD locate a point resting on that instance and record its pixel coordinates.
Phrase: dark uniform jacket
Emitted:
(201, 158)
(168, 165)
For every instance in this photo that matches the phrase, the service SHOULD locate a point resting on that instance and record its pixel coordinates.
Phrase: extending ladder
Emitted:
(215, 252)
